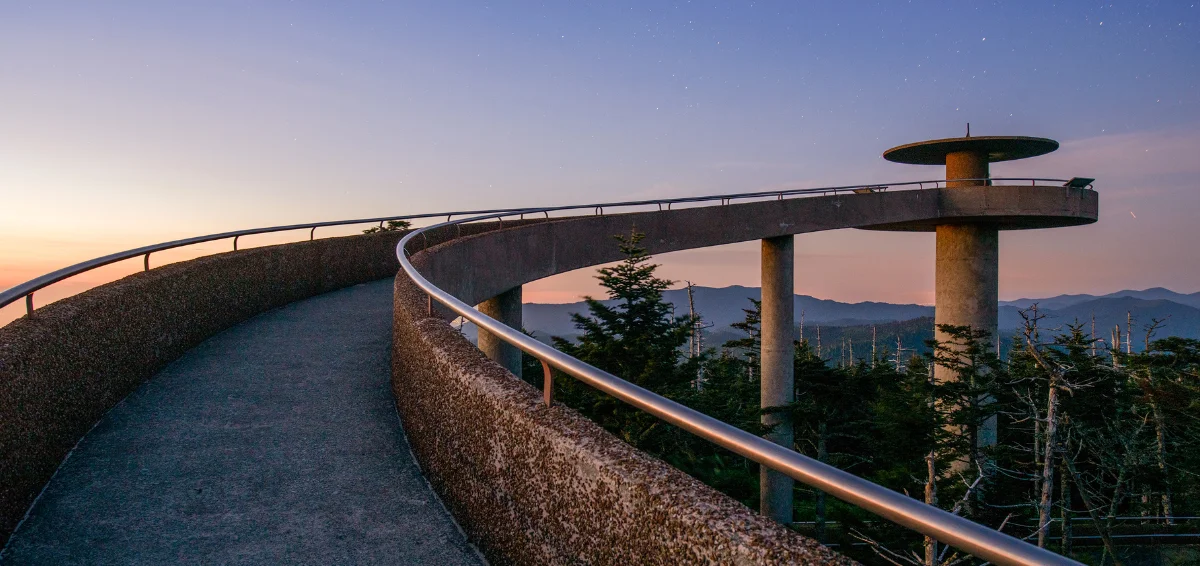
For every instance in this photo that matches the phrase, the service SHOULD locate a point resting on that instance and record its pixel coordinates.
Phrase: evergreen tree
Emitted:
(830, 416)
(392, 226)
(1167, 383)
(749, 347)
(636, 339)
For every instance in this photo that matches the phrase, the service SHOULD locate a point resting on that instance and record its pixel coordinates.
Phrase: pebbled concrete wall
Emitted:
(532, 484)
(62, 369)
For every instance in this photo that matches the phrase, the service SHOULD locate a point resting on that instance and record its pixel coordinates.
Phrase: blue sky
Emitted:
(126, 123)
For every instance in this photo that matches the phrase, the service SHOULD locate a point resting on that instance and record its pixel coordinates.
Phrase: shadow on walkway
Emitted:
(275, 441)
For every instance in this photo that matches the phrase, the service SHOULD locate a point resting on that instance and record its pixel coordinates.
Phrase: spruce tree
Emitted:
(635, 338)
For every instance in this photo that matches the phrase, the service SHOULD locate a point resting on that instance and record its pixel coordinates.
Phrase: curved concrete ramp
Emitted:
(273, 442)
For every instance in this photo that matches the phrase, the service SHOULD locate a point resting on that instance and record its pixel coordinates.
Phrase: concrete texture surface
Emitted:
(61, 369)
(966, 165)
(533, 484)
(967, 273)
(274, 442)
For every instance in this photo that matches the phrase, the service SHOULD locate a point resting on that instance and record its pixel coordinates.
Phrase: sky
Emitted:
(129, 123)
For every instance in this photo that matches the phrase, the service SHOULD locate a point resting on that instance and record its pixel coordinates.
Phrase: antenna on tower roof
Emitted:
(968, 129)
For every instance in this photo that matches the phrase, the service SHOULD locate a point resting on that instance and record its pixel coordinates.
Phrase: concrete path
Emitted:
(274, 442)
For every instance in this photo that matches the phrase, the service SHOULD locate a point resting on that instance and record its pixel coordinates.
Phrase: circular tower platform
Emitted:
(966, 160)
(995, 148)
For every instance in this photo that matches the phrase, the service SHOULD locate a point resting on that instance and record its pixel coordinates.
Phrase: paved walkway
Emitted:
(274, 442)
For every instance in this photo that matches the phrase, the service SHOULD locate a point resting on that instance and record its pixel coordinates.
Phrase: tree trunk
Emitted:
(1044, 507)
(1102, 526)
(822, 455)
(1065, 514)
(1161, 438)
(931, 544)
(1037, 450)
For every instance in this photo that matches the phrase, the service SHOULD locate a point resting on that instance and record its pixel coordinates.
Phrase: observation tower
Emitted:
(968, 251)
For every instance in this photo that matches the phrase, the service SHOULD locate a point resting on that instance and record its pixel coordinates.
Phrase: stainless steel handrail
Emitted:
(978, 540)
(28, 288)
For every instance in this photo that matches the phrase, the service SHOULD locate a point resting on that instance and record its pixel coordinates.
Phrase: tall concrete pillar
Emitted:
(967, 278)
(967, 273)
(778, 351)
(506, 308)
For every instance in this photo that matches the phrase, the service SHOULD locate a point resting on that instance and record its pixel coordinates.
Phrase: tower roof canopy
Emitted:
(997, 148)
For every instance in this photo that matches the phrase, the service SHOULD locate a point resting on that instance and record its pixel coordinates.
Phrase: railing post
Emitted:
(547, 385)
(29, 304)
(778, 351)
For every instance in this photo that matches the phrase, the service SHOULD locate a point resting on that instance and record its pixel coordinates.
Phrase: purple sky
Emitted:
(127, 123)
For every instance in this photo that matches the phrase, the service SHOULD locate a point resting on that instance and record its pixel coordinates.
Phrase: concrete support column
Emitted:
(967, 281)
(966, 165)
(778, 351)
(967, 276)
(506, 308)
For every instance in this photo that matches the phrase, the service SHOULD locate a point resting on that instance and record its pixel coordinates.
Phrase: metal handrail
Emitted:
(980, 541)
(28, 288)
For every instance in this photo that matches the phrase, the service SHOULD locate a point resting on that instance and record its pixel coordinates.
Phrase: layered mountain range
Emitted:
(722, 307)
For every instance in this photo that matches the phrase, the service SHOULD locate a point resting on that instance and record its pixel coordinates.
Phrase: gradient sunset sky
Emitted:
(129, 123)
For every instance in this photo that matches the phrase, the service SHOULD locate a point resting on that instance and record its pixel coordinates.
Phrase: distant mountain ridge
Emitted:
(723, 307)
(1151, 294)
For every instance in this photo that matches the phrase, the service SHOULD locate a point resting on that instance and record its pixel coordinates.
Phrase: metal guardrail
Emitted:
(28, 288)
(966, 535)
(950, 529)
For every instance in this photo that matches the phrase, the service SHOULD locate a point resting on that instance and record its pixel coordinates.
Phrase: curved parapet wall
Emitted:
(537, 484)
(62, 369)
(533, 484)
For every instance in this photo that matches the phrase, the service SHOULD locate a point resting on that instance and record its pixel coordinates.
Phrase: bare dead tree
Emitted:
(1055, 382)
(1093, 334)
(1065, 512)
(1093, 508)
(1145, 380)
(931, 557)
(1128, 332)
(931, 544)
